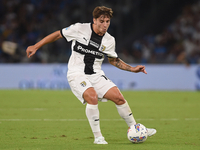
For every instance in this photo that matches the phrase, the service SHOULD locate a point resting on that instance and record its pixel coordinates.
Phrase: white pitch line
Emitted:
(21, 120)
(162, 119)
(22, 109)
(145, 119)
(172, 119)
(188, 119)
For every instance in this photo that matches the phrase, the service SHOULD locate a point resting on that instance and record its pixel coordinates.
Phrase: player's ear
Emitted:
(94, 20)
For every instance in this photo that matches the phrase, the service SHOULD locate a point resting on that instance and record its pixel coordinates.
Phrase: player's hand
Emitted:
(139, 68)
(30, 51)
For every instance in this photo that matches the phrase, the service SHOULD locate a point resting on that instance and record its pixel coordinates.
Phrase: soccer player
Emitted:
(90, 43)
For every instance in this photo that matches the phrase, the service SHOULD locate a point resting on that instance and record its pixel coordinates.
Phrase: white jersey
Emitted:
(88, 48)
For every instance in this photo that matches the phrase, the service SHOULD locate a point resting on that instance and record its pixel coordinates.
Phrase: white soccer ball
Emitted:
(137, 133)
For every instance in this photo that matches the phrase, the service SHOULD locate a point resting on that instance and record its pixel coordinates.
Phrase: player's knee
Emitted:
(119, 100)
(91, 98)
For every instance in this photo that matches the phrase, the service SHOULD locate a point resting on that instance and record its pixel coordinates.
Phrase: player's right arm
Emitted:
(31, 50)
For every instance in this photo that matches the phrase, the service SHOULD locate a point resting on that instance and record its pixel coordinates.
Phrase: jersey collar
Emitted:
(93, 30)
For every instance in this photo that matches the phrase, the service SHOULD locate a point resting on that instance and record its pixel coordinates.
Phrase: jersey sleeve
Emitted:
(70, 33)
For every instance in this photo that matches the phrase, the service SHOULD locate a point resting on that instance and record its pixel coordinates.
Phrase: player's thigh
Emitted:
(79, 84)
(101, 85)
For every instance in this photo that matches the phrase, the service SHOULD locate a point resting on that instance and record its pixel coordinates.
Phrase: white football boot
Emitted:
(151, 131)
(100, 140)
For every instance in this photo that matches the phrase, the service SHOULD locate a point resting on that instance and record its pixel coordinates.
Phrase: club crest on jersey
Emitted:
(83, 84)
(102, 48)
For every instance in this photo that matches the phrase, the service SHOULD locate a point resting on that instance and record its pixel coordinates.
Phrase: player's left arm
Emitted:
(117, 62)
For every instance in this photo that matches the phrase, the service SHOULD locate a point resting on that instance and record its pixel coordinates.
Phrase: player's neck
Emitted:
(95, 29)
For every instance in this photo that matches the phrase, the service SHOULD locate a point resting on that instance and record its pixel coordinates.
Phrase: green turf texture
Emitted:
(55, 120)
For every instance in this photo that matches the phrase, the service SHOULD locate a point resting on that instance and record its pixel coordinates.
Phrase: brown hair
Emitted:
(102, 10)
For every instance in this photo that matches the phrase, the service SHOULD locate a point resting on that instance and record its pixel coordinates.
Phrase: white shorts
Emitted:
(80, 82)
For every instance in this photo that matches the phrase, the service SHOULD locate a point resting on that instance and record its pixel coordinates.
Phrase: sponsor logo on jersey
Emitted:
(83, 84)
(94, 44)
(102, 48)
(80, 48)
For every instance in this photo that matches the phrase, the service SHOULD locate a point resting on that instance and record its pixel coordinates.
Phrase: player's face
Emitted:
(101, 24)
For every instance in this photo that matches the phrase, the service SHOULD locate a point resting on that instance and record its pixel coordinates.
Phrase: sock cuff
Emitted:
(123, 105)
(90, 106)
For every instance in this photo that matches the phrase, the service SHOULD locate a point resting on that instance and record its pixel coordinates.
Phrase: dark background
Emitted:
(146, 31)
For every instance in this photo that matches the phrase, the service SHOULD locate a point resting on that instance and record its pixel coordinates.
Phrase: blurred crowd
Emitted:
(177, 43)
(24, 22)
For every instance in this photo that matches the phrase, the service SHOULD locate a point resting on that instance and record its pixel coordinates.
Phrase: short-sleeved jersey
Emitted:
(88, 48)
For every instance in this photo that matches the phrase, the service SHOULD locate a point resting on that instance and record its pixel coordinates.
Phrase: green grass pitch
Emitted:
(55, 120)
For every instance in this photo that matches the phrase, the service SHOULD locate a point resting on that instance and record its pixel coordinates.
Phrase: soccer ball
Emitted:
(137, 133)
